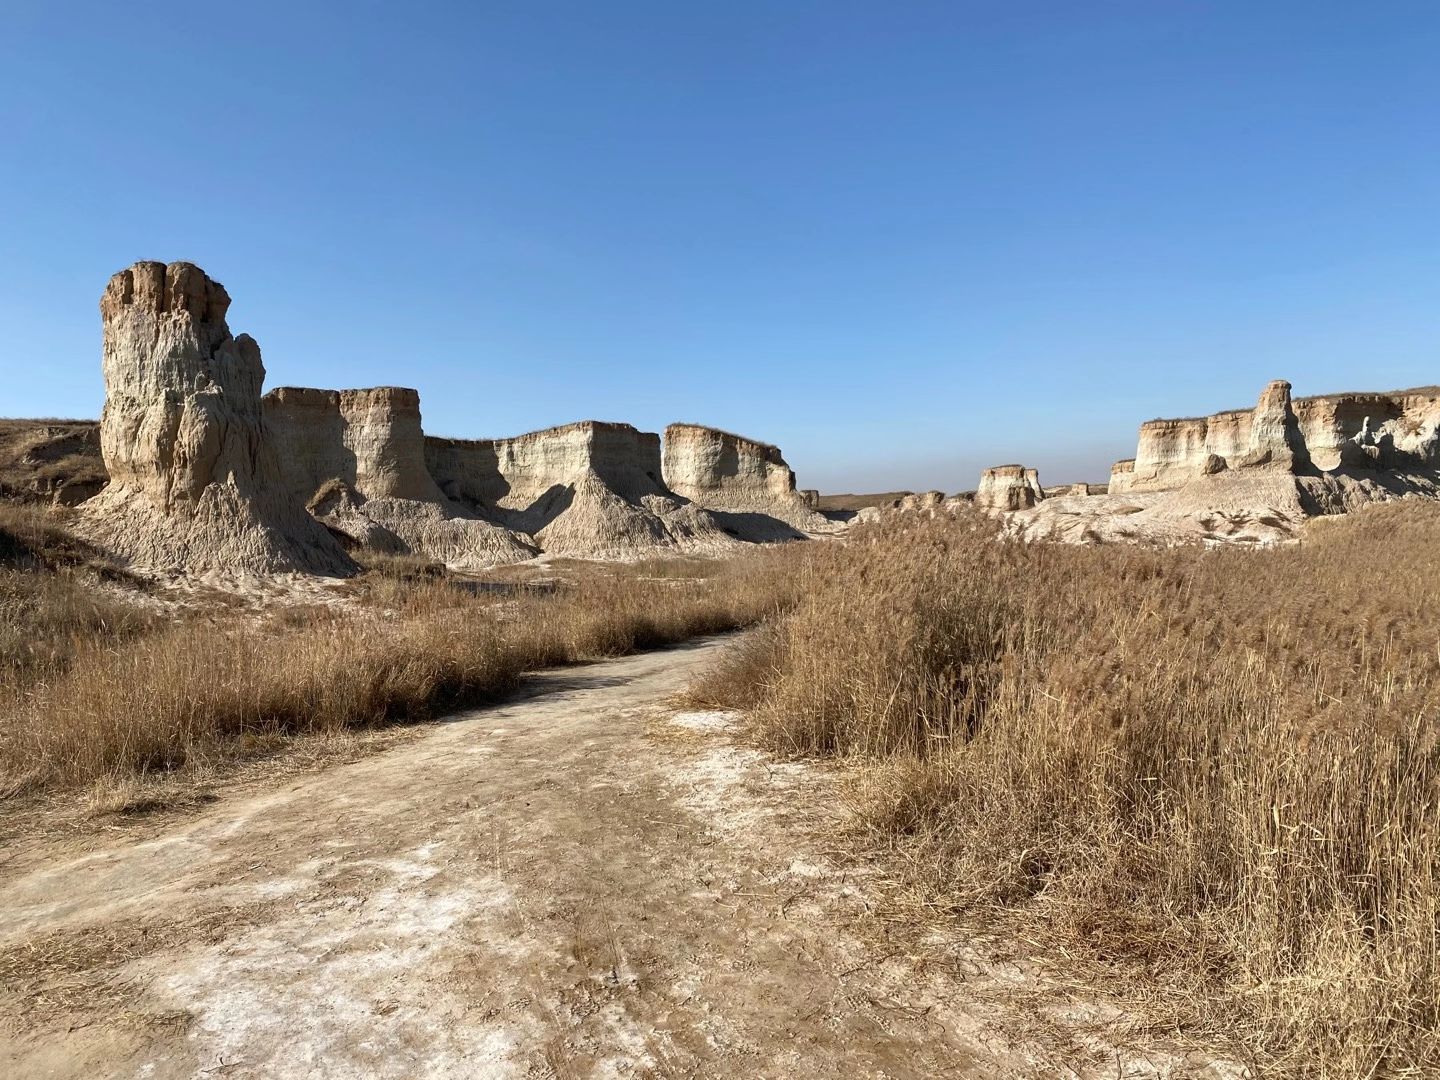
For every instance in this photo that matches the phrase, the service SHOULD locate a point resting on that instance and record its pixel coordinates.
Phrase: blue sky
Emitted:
(903, 240)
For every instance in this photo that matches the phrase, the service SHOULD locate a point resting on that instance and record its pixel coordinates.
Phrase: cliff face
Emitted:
(194, 484)
(589, 488)
(1296, 435)
(357, 459)
(205, 474)
(745, 479)
(1009, 487)
(513, 473)
(371, 439)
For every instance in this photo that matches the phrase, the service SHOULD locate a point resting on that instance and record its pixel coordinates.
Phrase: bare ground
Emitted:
(584, 882)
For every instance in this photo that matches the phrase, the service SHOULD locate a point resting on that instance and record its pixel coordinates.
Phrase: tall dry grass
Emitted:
(216, 683)
(1216, 772)
(55, 597)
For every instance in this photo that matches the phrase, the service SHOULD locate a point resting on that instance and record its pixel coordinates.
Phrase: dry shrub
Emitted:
(220, 683)
(54, 596)
(1216, 769)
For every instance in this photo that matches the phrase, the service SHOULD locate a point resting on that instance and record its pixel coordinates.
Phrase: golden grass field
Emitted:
(1212, 775)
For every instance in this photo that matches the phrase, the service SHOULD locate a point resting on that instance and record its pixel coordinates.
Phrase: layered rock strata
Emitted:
(590, 489)
(194, 484)
(1304, 434)
(356, 458)
(1009, 488)
(1257, 476)
(746, 483)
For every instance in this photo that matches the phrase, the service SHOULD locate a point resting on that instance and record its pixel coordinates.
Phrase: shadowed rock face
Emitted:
(1295, 435)
(1008, 487)
(1275, 439)
(193, 482)
(731, 474)
(356, 458)
(371, 439)
(590, 488)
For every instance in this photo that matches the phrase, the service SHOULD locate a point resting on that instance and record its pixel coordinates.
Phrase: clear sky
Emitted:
(904, 240)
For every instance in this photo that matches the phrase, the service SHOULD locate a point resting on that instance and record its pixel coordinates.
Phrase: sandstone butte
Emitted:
(1254, 475)
(206, 475)
(1008, 487)
(1172, 452)
(747, 484)
(194, 483)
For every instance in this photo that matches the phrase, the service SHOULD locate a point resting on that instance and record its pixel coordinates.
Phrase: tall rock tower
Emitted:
(1275, 438)
(193, 483)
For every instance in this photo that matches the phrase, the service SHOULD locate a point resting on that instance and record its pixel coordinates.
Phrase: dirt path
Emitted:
(581, 883)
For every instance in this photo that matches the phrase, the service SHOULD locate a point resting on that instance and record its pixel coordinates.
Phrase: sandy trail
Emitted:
(583, 882)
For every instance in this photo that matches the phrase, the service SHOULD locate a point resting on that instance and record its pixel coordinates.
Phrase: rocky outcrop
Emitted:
(370, 438)
(53, 461)
(356, 458)
(746, 483)
(1275, 440)
(194, 484)
(1407, 421)
(922, 502)
(1257, 476)
(1009, 488)
(1299, 435)
(589, 489)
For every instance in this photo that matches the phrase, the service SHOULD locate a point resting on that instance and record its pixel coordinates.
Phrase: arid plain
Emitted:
(333, 748)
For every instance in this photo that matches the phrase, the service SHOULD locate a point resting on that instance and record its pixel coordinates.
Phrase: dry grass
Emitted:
(56, 597)
(1214, 775)
(220, 684)
(39, 456)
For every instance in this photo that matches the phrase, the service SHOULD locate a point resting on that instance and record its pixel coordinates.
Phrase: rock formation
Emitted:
(1122, 476)
(356, 458)
(1298, 435)
(1008, 487)
(54, 461)
(922, 502)
(1275, 439)
(1257, 476)
(588, 489)
(746, 483)
(194, 484)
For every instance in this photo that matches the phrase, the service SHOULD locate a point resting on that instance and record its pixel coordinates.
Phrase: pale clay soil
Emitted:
(586, 881)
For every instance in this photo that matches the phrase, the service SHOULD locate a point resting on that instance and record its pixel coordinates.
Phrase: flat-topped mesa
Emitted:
(589, 488)
(356, 458)
(744, 478)
(371, 439)
(1300, 435)
(1008, 488)
(194, 484)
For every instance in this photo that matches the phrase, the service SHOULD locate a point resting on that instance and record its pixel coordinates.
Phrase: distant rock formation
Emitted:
(588, 489)
(1009, 488)
(1275, 439)
(356, 458)
(922, 502)
(1297, 435)
(1257, 476)
(746, 483)
(194, 484)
